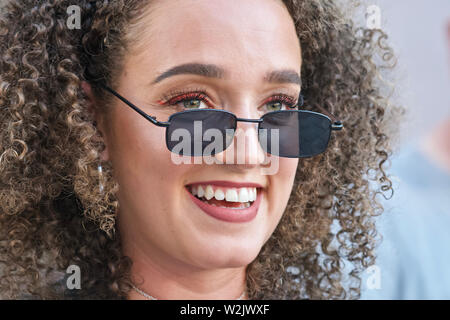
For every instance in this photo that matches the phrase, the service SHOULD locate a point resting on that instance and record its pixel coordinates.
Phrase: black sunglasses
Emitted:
(301, 133)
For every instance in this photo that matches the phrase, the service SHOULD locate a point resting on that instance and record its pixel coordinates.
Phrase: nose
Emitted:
(245, 149)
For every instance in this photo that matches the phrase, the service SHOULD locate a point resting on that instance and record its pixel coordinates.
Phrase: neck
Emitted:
(437, 145)
(165, 278)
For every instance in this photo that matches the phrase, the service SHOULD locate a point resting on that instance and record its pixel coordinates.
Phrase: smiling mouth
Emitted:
(230, 198)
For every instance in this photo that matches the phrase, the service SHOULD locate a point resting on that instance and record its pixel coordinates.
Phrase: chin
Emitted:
(227, 258)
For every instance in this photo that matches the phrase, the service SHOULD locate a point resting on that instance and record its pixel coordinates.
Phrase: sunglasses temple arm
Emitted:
(142, 113)
(336, 123)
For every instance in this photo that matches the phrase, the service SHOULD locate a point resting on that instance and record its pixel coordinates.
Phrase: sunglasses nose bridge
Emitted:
(246, 124)
(249, 120)
(245, 147)
(247, 128)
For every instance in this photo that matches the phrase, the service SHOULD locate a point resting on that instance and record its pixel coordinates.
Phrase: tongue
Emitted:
(224, 203)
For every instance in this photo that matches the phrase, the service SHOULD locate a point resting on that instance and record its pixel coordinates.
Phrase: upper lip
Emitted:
(229, 184)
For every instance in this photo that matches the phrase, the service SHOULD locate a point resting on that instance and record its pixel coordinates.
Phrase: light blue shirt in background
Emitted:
(414, 257)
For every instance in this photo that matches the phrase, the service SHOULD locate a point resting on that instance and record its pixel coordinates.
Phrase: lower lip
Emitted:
(229, 215)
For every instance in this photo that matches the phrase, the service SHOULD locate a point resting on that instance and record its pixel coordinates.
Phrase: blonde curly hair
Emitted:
(52, 213)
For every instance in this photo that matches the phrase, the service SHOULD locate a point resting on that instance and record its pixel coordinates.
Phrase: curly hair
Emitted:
(52, 213)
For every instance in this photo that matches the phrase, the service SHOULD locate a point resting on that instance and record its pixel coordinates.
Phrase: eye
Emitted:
(276, 102)
(199, 100)
(189, 100)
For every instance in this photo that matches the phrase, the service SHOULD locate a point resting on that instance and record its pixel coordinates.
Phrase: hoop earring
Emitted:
(100, 173)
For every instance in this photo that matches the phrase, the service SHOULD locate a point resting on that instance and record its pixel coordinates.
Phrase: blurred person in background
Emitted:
(414, 256)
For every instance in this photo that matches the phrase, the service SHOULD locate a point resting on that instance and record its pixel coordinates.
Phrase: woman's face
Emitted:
(157, 215)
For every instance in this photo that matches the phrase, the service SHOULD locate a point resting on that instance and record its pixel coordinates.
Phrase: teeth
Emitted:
(200, 192)
(232, 196)
(254, 194)
(209, 193)
(219, 195)
(243, 195)
(194, 190)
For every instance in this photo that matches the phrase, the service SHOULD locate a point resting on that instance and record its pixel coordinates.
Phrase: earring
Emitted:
(100, 172)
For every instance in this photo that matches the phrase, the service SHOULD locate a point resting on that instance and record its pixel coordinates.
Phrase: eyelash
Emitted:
(174, 97)
(287, 100)
(178, 96)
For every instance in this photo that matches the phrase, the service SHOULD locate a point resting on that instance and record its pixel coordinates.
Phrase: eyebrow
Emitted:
(214, 71)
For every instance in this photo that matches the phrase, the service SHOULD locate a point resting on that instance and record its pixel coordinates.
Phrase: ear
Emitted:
(98, 118)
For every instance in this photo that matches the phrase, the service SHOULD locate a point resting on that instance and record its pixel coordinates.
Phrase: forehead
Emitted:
(241, 35)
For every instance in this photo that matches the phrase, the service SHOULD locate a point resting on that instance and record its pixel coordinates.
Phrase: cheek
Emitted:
(284, 177)
(282, 183)
(288, 169)
(280, 188)
(141, 160)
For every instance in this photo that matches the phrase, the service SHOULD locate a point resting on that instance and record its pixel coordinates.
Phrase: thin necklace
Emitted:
(149, 297)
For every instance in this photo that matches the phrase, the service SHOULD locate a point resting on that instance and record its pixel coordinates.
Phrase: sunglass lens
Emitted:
(200, 132)
(294, 133)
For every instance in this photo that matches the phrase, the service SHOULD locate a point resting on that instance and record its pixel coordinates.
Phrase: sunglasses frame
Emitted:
(335, 124)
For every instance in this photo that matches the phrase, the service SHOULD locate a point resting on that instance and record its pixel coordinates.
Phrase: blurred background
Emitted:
(417, 31)
(414, 255)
